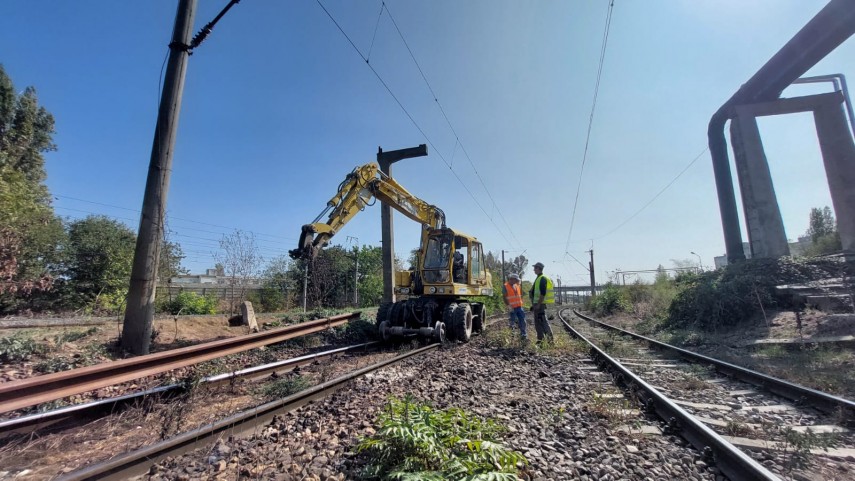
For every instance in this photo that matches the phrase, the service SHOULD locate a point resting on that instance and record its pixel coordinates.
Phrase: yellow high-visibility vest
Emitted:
(549, 298)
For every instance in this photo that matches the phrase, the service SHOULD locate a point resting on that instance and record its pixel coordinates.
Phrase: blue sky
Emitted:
(278, 107)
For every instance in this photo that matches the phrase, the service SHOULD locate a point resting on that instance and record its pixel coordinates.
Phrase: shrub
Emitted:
(354, 332)
(416, 441)
(18, 349)
(610, 301)
(190, 303)
(729, 296)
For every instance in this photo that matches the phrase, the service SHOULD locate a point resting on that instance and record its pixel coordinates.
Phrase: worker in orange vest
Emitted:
(512, 295)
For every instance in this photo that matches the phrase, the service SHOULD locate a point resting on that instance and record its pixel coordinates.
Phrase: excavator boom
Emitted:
(359, 189)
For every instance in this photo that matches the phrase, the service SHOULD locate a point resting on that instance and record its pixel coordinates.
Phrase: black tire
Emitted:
(383, 312)
(479, 313)
(395, 314)
(463, 322)
(440, 335)
(448, 319)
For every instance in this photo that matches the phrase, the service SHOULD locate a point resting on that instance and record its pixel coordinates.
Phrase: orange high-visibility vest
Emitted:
(513, 295)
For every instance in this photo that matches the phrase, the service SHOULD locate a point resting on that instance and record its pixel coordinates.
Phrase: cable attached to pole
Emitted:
(204, 32)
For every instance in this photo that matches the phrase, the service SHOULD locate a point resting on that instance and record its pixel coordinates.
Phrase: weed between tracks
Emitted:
(285, 387)
(614, 410)
(417, 441)
(504, 338)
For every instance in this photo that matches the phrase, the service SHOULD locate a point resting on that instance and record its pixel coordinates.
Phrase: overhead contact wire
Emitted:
(412, 120)
(606, 30)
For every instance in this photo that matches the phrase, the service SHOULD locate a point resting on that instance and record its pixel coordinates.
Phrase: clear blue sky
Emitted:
(278, 107)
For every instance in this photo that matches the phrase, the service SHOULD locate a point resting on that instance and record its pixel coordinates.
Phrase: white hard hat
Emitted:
(514, 276)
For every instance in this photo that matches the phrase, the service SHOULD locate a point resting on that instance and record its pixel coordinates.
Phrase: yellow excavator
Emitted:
(433, 299)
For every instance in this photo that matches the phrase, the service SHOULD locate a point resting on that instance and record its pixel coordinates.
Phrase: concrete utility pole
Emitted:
(386, 159)
(136, 334)
(356, 279)
(355, 271)
(305, 284)
(591, 270)
(504, 277)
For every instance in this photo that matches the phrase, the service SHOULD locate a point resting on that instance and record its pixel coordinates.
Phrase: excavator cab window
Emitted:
(459, 268)
(437, 257)
(478, 268)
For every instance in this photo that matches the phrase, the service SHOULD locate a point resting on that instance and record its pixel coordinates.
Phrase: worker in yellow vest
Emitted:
(542, 295)
(512, 295)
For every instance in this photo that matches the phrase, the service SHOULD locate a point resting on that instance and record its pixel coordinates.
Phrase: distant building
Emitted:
(798, 248)
(211, 277)
(721, 261)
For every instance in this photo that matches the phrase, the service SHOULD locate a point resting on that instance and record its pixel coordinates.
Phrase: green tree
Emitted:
(169, 265)
(277, 286)
(100, 253)
(822, 223)
(29, 231)
(26, 131)
(370, 276)
(825, 239)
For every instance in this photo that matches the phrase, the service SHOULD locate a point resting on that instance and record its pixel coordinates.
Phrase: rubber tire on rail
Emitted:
(463, 322)
(448, 319)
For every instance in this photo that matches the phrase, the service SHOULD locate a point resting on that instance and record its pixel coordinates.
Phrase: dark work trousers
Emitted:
(541, 326)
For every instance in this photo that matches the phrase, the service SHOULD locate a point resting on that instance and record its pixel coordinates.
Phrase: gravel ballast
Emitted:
(551, 403)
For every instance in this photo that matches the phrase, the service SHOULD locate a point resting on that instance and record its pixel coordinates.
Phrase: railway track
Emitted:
(739, 422)
(73, 415)
(245, 423)
(240, 424)
(40, 389)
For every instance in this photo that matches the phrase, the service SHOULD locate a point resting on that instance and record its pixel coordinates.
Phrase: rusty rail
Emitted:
(40, 389)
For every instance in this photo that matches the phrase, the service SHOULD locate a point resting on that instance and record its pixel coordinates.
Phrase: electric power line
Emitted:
(412, 120)
(59, 196)
(448, 121)
(669, 184)
(591, 118)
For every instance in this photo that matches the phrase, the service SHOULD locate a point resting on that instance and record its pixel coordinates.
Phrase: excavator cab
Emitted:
(432, 300)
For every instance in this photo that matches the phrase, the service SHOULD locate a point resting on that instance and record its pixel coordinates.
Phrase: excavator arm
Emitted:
(359, 190)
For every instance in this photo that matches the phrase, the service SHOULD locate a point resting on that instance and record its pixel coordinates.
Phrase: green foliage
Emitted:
(354, 332)
(416, 441)
(822, 230)
(286, 387)
(71, 336)
(189, 303)
(57, 364)
(29, 230)
(100, 253)
(15, 349)
(610, 301)
(726, 297)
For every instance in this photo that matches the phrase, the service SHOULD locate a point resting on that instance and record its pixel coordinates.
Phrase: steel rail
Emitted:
(732, 461)
(33, 422)
(39, 389)
(795, 392)
(139, 462)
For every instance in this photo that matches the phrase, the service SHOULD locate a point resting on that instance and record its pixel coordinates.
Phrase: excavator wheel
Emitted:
(384, 331)
(448, 319)
(463, 322)
(383, 312)
(480, 319)
(439, 334)
(396, 314)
